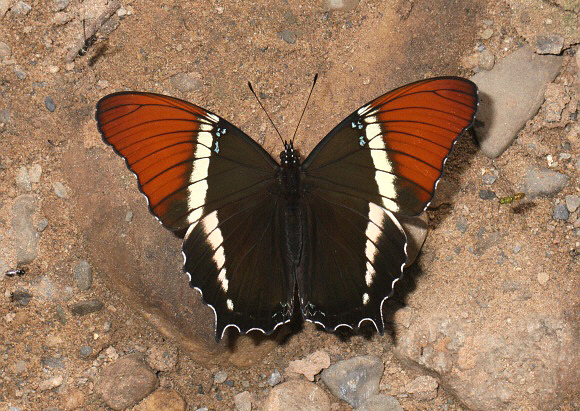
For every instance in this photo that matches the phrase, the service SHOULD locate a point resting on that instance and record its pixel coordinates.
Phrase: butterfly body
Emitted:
(256, 231)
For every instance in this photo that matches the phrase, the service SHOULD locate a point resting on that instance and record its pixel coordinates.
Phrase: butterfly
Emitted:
(263, 238)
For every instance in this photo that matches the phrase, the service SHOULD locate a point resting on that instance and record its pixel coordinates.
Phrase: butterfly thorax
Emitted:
(289, 179)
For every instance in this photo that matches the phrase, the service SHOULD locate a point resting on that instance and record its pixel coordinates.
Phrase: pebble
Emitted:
(162, 399)
(186, 82)
(297, 395)
(423, 388)
(50, 383)
(59, 189)
(4, 115)
(23, 179)
(86, 351)
(486, 60)
(52, 362)
(354, 380)
(49, 104)
(288, 36)
(220, 377)
(163, 357)
(551, 44)
(381, 402)
(86, 307)
(274, 379)
(243, 401)
(560, 212)
(5, 51)
(543, 278)
(26, 237)
(487, 195)
(311, 365)
(138, 381)
(462, 224)
(486, 34)
(129, 216)
(102, 84)
(59, 5)
(522, 76)
(572, 202)
(83, 275)
(341, 5)
(34, 173)
(543, 182)
(21, 8)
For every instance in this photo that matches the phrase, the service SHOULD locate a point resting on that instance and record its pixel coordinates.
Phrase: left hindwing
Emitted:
(385, 159)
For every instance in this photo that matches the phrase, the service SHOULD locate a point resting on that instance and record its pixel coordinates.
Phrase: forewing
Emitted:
(404, 137)
(205, 178)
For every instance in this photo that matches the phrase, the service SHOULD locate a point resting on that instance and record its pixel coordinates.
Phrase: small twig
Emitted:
(92, 30)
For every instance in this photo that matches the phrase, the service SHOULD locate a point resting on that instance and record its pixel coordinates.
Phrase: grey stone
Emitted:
(381, 402)
(125, 382)
(560, 212)
(83, 275)
(297, 395)
(486, 60)
(288, 36)
(86, 351)
(572, 202)
(25, 235)
(4, 115)
(59, 189)
(53, 362)
(23, 179)
(487, 195)
(510, 95)
(5, 52)
(49, 104)
(354, 380)
(35, 172)
(462, 224)
(187, 82)
(59, 5)
(21, 8)
(275, 378)
(543, 182)
(220, 377)
(86, 307)
(550, 44)
(341, 5)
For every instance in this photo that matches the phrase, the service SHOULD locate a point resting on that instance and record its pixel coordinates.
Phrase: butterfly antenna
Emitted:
(261, 105)
(305, 105)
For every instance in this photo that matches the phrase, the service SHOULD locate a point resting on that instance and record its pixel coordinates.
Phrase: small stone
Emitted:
(219, 377)
(543, 278)
(35, 172)
(311, 365)
(50, 383)
(21, 8)
(274, 379)
(129, 216)
(551, 44)
(19, 367)
(288, 36)
(5, 51)
(486, 60)
(486, 34)
(21, 297)
(83, 275)
(354, 380)
(297, 395)
(4, 115)
(243, 401)
(487, 195)
(572, 203)
(52, 362)
(543, 182)
(49, 104)
(517, 248)
(381, 402)
(162, 399)
(59, 5)
(560, 212)
(102, 84)
(462, 224)
(125, 382)
(423, 388)
(59, 189)
(53, 70)
(86, 307)
(341, 5)
(186, 82)
(86, 351)
(23, 179)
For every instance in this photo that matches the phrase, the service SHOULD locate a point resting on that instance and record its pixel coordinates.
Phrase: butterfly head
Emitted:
(289, 157)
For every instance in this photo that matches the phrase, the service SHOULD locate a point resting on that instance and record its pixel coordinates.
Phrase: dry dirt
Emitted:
(358, 54)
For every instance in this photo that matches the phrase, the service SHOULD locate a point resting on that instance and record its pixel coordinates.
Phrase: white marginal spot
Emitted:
(365, 298)
(223, 280)
(230, 305)
(384, 176)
